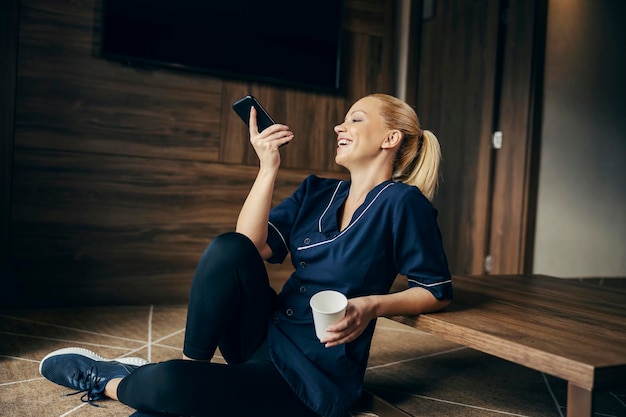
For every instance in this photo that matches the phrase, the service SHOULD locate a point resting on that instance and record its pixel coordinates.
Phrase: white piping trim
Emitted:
(279, 234)
(430, 285)
(319, 223)
(350, 225)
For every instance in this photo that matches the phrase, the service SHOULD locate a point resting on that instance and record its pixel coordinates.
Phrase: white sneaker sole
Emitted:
(92, 355)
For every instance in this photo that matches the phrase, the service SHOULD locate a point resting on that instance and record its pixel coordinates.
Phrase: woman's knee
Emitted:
(231, 245)
(230, 254)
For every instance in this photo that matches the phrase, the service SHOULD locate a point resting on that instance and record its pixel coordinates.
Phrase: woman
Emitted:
(350, 236)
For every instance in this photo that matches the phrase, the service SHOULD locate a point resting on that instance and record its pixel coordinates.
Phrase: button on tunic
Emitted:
(393, 232)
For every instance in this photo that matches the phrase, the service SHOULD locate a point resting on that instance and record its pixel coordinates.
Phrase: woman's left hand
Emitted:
(362, 310)
(359, 312)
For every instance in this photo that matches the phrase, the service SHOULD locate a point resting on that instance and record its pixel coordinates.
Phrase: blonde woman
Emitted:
(351, 236)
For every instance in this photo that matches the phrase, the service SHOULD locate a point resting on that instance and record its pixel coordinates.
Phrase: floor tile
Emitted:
(420, 373)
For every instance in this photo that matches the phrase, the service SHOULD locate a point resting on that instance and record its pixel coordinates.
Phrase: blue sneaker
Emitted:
(85, 371)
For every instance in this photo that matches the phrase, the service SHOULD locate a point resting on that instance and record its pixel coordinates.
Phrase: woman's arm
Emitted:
(254, 214)
(362, 310)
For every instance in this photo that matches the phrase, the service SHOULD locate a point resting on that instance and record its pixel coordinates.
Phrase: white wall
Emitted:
(581, 213)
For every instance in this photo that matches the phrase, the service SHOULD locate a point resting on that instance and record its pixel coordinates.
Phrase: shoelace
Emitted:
(90, 380)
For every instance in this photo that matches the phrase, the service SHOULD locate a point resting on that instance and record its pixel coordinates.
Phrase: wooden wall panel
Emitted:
(121, 229)
(515, 168)
(122, 176)
(312, 118)
(481, 70)
(69, 99)
(456, 100)
(369, 48)
(88, 225)
(367, 67)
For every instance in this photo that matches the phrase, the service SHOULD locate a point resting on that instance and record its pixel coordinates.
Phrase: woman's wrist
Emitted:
(266, 171)
(375, 306)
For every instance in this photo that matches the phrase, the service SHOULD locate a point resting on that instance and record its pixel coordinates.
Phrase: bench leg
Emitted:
(579, 401)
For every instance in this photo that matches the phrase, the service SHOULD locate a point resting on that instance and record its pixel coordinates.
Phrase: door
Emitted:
(479, 66)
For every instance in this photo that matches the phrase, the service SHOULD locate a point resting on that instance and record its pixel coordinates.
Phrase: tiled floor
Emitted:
(422, 374)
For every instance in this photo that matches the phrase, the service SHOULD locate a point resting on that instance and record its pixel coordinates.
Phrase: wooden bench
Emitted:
(569, 329)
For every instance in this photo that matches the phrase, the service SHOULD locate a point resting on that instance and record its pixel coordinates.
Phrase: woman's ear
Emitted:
(393, 139)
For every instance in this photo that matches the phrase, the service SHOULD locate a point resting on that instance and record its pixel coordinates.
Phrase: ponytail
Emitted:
(417, 160)
(418, 165)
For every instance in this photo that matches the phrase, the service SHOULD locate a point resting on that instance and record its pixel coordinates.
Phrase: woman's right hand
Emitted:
(254, 214)
(267, 142)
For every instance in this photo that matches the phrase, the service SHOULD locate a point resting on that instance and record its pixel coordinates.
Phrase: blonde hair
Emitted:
(419, 155)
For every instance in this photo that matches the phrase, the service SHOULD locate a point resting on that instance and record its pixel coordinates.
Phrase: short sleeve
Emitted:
(418, 248)
(281, 220)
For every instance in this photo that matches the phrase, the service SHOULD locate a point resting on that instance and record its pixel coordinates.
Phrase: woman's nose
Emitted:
(339, 128)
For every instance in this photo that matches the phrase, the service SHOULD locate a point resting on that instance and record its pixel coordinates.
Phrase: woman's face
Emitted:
(361, 135)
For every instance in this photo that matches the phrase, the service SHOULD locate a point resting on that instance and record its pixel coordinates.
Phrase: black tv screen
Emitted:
(281, 41)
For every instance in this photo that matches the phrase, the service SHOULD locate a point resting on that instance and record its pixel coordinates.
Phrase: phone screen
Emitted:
(242, 108)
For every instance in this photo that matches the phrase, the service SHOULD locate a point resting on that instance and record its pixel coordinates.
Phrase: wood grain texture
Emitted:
(515, 167)
(70, 100)
(455, 100)
(311, 117)
(366, 67)
(72, 106)
(115, 227)
(579, 402)
(569, 329)
(122, 176)
(122, 229)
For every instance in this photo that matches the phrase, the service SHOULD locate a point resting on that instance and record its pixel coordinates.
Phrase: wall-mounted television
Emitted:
(279, 41)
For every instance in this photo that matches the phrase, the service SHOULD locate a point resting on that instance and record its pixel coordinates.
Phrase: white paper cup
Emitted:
(328, 308)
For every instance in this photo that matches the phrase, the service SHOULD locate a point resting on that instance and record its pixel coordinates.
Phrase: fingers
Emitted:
(358, 316)
(275, 132)
(336, 339)
(273, 137)
(254, 128)
(344, 331)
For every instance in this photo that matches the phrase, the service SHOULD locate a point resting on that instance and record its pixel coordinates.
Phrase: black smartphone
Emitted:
(242, 108)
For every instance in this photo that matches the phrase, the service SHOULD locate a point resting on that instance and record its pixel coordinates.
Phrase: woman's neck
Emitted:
(361, 185)
(363, 180)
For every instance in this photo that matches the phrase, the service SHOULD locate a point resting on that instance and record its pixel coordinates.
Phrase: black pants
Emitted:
(229, 306)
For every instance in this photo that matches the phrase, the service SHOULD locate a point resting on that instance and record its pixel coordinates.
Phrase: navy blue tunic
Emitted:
(393, 232)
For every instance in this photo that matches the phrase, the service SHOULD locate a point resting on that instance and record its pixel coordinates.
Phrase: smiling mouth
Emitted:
(343, 142)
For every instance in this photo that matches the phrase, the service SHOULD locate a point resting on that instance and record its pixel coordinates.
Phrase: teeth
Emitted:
(343, 142)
